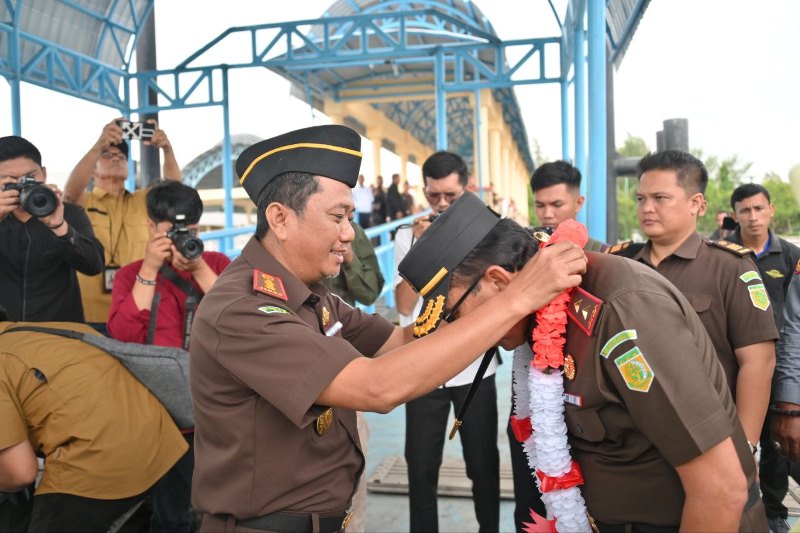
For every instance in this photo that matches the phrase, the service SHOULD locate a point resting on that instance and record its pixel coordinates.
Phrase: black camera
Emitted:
(433, 217)
(184, 239)
(34, 197)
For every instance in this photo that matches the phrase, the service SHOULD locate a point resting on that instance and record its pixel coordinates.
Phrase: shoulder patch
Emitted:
(584, 309)
(749, 276)
(269, 309)
(759, 297)
(731, 247)
(269, 285)
(635, 370)
(616, 340)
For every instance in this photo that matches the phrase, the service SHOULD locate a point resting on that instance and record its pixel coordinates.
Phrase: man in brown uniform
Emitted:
(660, 448)
(718, 278)
(277, 362)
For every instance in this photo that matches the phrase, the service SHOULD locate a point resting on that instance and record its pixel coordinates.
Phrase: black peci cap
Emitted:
(332, 151)
(444, 245)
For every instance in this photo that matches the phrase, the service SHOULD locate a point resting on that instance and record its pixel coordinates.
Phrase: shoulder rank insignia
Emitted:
(584, 310)
(615, 249)
(324, 421)
(635, 370)
(758, 295)
(732, 247)
(429, 319)
(269, 285)
(774, 273)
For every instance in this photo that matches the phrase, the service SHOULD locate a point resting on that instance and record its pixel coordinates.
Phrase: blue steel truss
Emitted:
(405, 57)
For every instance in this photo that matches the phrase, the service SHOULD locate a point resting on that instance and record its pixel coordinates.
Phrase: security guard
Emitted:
(651, 421)
(277, 362)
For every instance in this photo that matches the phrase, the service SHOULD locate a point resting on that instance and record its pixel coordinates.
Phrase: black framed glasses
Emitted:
(450, 316)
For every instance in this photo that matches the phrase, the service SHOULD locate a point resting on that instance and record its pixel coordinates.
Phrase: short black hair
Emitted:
(169, 198)
(508, 245)
(555, 173)
(691, 172)
(442, 164)
(291, 189)
(14, 146)
(746, 191)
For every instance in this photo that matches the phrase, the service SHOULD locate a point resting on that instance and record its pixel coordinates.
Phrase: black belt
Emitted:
(295, 523)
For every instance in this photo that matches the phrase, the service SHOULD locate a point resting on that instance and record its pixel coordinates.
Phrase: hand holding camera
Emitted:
(421, 224)
(34, 197)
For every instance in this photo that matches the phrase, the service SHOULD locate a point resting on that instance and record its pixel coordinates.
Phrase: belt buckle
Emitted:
(347, 518)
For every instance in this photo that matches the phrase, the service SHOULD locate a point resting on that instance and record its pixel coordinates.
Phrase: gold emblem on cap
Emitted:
(429, 319)
(541, 236)
(324, 421)
(569, 367)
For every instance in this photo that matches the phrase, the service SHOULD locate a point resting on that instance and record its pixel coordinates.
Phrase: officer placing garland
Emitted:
(278, 363)
(652, 427)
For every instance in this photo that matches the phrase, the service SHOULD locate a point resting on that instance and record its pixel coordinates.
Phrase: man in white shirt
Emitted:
(445, 177)
(363, 198)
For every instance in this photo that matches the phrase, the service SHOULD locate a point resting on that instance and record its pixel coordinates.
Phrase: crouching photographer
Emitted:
(43, 241)
(153, 301)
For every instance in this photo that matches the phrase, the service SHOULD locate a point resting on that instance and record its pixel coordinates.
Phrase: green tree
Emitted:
(787, 212)
(723, 177)
(627, 221)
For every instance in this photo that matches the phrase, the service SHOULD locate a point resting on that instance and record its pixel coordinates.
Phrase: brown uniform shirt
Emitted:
(725, 290)
(648, 393)
(102, 433)
(259, 362)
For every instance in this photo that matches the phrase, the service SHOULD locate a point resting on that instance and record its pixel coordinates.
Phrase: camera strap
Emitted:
(192, 300)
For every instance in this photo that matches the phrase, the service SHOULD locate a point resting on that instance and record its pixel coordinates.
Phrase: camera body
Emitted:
(433, 217)
(190, 246)
(136, 131)
(34, 197)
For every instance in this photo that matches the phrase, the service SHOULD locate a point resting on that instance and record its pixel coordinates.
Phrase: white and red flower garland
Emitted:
(538, 420)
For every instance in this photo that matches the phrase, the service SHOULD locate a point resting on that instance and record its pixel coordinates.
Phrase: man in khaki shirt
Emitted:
(118, 217)
(105, 439)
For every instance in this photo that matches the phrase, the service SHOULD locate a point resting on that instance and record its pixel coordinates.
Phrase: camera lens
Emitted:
(38, 200)
(189, 246)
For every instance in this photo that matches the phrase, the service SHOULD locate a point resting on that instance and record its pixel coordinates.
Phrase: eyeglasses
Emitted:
(436, 197)
(450, 316)
(110, 155)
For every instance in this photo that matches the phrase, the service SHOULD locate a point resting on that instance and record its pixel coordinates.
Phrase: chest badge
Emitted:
(324, 421)
(269, 285)
(326, 318)
(569, 367)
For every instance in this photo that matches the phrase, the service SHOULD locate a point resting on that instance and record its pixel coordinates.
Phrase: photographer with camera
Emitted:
(119, 217)
(43, 241)
(153, 302)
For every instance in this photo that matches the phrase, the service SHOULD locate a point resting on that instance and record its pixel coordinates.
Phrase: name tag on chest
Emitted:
(334, 329)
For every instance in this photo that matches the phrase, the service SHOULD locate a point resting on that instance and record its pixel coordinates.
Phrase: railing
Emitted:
(226, 243)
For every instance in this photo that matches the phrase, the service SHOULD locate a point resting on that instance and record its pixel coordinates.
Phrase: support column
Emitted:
(227, 156)
(597, 120)
(441, 102)
(377, 144)
(579, 84)
(564, 119)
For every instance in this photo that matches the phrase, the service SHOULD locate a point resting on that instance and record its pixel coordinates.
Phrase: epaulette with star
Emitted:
(269, 285)
(625, 249)
(731, 247)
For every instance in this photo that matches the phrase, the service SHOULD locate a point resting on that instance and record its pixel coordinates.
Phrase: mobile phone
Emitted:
(729, 223)
(136, 131)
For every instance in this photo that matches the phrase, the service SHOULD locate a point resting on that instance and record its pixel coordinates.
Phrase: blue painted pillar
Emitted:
(227, 156)
(596, 197)
(478, 126)
(565, 118)
(579, 84)
(16, 67)
(441, 102)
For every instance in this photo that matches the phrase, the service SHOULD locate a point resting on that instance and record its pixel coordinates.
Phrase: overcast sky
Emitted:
(729, 66)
